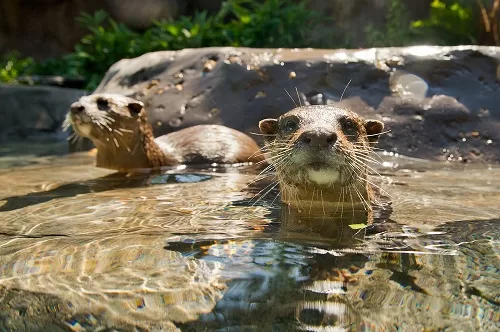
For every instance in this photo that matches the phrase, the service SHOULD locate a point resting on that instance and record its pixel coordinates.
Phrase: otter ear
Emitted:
(268, 127)
(373, 129)
(135, 107)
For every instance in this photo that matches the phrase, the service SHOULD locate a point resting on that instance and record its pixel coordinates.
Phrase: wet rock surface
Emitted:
(437, 102)
(34, 112)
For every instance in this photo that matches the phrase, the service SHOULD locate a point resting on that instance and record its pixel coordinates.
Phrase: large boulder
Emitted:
(34, 111)
(437, 102)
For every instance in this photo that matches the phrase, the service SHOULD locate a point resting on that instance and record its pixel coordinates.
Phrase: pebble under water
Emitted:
(83, 249)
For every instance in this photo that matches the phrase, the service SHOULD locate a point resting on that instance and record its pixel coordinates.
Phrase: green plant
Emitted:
(271, 23)
(12, 66)
(396, 31)
(451, 24)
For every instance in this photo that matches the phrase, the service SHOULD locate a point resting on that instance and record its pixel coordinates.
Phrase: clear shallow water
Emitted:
(83, 249)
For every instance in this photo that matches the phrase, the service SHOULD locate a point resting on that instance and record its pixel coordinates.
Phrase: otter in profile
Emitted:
(119, 128)
(319, 154)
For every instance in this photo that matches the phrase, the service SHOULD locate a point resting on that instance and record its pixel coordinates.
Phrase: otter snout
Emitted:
(317, 138)
(76, 108)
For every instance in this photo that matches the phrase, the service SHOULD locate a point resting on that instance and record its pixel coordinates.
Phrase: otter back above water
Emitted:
(119, 128)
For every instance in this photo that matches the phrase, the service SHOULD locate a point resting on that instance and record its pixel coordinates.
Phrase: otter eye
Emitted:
(102, 104)
(290, 126)
(349, 125)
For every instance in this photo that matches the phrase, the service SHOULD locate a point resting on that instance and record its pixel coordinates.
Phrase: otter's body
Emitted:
(320, 155)
(119, 128)
(204, 144)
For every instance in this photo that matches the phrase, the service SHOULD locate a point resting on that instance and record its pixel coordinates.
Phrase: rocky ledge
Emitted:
(437, 102)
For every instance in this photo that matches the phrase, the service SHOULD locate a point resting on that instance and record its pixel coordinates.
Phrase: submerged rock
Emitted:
(430, 98)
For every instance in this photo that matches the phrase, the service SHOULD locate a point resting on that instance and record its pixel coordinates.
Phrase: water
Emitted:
(195, 249)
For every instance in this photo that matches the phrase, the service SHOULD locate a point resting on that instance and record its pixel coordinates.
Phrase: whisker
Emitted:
(345, 90)
(300, 100)
(291, 98)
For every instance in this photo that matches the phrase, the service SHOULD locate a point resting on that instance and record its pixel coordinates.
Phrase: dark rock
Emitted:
(244, 86)
(34, 111)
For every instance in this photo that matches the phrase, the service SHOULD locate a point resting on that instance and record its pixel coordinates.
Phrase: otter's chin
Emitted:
(323, 176)
(83, 129)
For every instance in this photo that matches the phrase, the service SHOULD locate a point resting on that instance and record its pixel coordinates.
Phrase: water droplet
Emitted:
(292, 75)
(489, 142)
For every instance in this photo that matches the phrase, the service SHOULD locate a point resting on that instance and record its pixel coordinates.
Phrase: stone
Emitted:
(34, 111)
(246, 85)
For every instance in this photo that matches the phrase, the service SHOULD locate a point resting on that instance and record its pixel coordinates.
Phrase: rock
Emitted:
(246, 85)
(32, 111)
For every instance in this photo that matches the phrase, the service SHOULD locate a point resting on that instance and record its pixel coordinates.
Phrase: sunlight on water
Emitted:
(198, 250)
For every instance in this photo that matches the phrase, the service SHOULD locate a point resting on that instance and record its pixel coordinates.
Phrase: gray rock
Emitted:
(238, 87)
(34, 111)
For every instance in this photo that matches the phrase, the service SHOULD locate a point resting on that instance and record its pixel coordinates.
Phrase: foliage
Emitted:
(12, 66)
(245, 23)
(450, 24)
(396, 31)
(271, 23)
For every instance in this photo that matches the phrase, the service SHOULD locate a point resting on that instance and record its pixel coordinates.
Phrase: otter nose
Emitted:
(76, 108)
(318, 138)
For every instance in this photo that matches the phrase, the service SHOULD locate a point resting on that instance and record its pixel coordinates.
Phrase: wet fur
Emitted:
(322, 181)
(119, 128)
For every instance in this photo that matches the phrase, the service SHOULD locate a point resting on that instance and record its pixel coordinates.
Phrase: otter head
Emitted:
(320, 146)
(119, 128)
(106, 118)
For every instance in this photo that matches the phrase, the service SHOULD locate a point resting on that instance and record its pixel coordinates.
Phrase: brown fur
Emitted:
(119, 128)
(319, 154)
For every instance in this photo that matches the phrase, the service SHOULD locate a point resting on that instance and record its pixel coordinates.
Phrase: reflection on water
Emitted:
(84, 249)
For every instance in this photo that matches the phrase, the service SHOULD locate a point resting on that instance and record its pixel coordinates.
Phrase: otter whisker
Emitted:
(66, 123)
(259, 134)
(312, 200)
(376, 186)
(345, 90)
(123, 143)
(298, 95)
(322, 203)
(366, 205)
(267, 192)
(259, 178)
(291, 98)
(371, 169)
(370, 147)
(352, 202)
(364, 158)
(367, 156)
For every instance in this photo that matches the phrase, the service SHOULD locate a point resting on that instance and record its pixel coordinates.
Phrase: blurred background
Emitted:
(80, 39)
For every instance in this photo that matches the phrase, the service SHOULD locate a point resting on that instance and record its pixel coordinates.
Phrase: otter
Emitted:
(119, 128)
(319, 154)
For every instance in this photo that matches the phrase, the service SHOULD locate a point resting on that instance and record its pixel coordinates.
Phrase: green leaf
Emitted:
(358, 226)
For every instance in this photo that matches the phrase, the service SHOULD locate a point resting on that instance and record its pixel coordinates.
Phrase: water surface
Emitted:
(203, 250)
